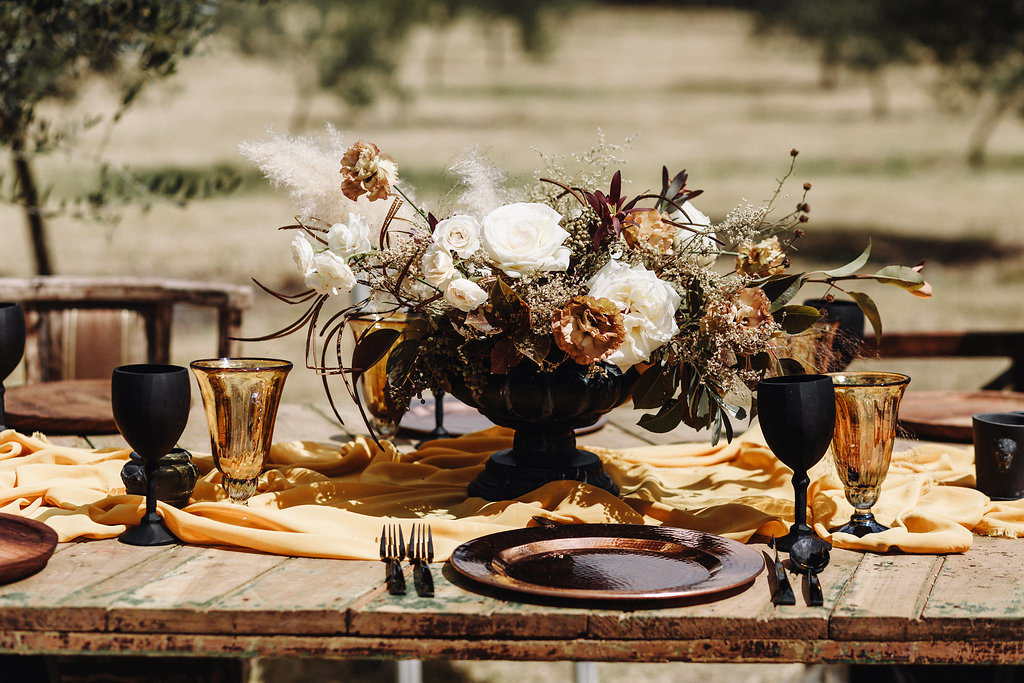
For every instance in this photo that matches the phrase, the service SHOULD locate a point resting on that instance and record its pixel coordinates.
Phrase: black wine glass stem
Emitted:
(3, 415)
(800, 483)
(439, 412)
(152, 464)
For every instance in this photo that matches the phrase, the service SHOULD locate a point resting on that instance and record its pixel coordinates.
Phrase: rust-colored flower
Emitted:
(761, 259)
(649, 228)
(364, 170)
(588, 329)
(751, 307)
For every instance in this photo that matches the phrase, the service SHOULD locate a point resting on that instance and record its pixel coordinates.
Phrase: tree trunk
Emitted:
(1001, 103)
(33, 213)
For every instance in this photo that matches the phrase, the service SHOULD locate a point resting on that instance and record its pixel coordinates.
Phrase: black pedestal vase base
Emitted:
(544, 409)
(516, 471)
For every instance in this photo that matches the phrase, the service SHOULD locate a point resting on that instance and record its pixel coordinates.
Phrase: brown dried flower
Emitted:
(761, 259)
(588, 329)
(364, 170)
(751, 307)
(649, 228)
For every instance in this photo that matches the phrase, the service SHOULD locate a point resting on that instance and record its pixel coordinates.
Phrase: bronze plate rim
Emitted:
(739, 564)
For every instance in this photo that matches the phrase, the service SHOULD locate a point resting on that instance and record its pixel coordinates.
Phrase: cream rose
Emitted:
(303, 253)
(525, 236)
(460, 234)
(438, 266)
(348, 240)
(648, 307)
(697, 242)
(330, 274)
(465, 295)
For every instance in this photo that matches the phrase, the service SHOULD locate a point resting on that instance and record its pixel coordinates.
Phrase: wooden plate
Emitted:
(76, 406)
(946, 415)
(25, 546)
(602, 562)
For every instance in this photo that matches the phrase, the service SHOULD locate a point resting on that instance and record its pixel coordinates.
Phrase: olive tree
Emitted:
(47, 50)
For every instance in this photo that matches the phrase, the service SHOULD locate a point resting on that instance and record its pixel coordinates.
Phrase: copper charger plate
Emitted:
(946, 415)
(25, 546)
(74, 406)
(608, 562)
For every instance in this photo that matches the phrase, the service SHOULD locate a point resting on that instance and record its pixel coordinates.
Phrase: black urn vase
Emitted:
(544, 409)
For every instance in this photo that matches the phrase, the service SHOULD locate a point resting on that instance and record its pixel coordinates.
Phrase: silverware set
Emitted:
(808, 557)
(419, 551)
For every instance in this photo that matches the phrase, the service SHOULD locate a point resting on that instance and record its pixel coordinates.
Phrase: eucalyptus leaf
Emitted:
(401, 361)
(851, 267)
(780, 291)
(791, 367)
(667, 419)
(654, 387)
(870, 311)
(900, 276)
(796, 319)
(371, 348)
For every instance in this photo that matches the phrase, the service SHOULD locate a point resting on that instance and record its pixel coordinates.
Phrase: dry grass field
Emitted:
(691, 89)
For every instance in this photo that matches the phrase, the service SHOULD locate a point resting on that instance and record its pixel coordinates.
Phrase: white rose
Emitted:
(330, 274)
(648, 308)
(460, 234)
(438, 266)
(698, 242)
(525, 236)
(465, 295)
(303, 253)
(348, 240)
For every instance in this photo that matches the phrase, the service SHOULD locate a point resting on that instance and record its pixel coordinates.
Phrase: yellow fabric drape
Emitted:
(321, 500)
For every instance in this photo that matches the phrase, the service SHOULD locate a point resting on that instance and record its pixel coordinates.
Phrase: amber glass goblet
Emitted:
(383, 412)
(241, 397)
(867, 407)
(797, 416)
(150, 405)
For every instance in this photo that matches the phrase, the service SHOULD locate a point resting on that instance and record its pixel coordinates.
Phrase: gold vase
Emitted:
(385, 415)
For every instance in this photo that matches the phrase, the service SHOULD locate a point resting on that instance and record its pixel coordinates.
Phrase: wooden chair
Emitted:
(958, 345)
(84, 327)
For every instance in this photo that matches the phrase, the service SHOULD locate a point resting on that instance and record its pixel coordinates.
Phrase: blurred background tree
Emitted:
(48, 51)
(854, 34)
(351, 48)
(980, 48)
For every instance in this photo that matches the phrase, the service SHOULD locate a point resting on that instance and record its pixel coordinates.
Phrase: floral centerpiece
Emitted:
(565, 275)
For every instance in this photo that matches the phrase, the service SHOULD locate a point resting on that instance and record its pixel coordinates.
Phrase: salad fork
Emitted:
(421, 554)
(392, 549)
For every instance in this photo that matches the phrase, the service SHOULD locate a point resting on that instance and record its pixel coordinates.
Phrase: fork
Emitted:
(783, 594)
(421, 554)
(392, 549)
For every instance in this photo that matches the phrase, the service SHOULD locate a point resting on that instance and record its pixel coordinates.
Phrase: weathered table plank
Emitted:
(884, 597)
(298, 596)
(978, 595)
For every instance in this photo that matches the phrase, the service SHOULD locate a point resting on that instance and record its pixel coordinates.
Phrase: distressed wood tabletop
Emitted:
(105, 597)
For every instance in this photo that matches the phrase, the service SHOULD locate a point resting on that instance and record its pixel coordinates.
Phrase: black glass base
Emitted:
(149, 532)
(503, 478)
(861, 524)
(785, 543)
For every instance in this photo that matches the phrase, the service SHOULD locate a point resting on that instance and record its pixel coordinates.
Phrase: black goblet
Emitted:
(12, 346)
(151, 405)
(797, 416)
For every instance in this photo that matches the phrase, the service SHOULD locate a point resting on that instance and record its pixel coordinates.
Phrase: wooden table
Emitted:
(102, 597)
